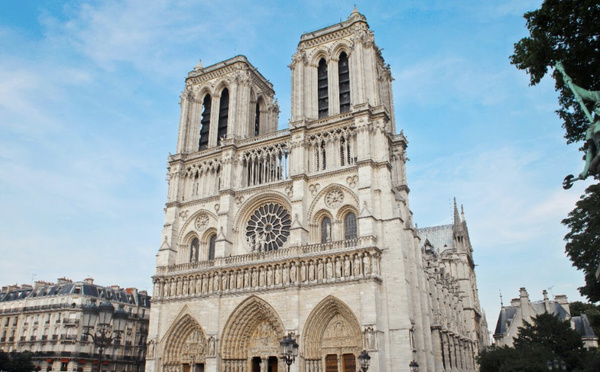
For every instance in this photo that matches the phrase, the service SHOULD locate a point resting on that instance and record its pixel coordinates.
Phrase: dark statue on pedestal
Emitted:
(592, 135)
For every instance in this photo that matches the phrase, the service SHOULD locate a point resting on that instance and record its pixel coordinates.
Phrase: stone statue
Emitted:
(592, 135)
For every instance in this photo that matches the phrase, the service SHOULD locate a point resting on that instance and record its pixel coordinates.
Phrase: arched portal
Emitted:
(185, 347)
(332, 337)
(250, 340)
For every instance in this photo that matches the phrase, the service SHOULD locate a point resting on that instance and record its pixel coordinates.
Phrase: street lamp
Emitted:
(556, 364)
(289, 350)
(363, 360)
(414, 366)
(100, 317)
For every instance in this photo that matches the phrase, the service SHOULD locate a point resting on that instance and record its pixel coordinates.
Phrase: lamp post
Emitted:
(100, 317)
(363, 361)
(414, 366)
(289, 350)
(556, 365)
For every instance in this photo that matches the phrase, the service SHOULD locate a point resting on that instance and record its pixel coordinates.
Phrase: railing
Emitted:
(254, 257)
(312, 265)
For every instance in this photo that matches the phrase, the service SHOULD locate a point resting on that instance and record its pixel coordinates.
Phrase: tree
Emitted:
(16, 362)
(547, 338)
(568, 31)
(583, 240)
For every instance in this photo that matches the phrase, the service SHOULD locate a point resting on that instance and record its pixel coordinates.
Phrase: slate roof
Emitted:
(79, 288)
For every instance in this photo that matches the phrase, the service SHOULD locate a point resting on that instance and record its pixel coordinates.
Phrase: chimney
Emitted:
(562, 300)
(63, 280)
(88, 280)
(524, 297)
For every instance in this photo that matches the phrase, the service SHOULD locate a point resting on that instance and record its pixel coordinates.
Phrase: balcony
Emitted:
(70, 322)
(68, 338)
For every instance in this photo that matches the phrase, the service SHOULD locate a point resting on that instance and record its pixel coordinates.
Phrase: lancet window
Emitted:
(204, 123)
(202, 180)
(344, 83)
(257, 120)
(350, 226)
(211, 246)
(265, 165)
(323, 89)
(332, 150)
(223, 114)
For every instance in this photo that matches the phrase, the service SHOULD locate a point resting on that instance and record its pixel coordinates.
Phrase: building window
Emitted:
(326, 230)
(323, 91)
(223, 114)
(344, 77)
(257, 120)
(211, 246)
(350, 226)
(205, 123)
(194, 250)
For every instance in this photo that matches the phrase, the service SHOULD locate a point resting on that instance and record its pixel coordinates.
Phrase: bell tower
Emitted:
(230, 99)
(339, 68)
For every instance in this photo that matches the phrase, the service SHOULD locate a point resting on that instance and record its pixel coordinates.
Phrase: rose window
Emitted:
(268, 228)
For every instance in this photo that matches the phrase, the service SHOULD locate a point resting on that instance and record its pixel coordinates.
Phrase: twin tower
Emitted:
(304, 231)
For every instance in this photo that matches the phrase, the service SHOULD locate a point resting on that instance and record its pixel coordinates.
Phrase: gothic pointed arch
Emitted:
(331, 328)
(185, 343)
(253, 328)
(319, 202)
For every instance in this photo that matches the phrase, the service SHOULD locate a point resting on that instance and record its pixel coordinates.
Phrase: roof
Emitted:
(440, 237)
(78, 288)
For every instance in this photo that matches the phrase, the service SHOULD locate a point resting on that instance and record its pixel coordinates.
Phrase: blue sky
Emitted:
(89, 95)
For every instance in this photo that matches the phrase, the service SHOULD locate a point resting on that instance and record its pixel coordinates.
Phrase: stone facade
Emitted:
(304, 231)
(46, 320)
(522, 310)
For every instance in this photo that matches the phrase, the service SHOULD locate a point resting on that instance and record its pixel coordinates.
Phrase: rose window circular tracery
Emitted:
(268, 228)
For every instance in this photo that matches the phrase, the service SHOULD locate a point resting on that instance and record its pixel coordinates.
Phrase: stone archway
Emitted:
(251, 337)
(185, 347)
(332, 337)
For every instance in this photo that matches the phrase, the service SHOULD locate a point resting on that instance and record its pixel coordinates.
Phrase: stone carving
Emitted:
(211, 346)
(289, 191)
(351, 181)
(239, 199)
(150, 348)
(369, 338)
(217, 207)
(201, 222)
(334, 198)
(184, 214)
(314, 188)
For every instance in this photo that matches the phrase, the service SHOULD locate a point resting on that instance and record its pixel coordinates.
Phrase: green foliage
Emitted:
(583, 240)
(567, 31)
(546, 339)
(16, 362)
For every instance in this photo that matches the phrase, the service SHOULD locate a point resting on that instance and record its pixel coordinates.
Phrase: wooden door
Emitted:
(349, 362)
(331, 364)
(186, 368)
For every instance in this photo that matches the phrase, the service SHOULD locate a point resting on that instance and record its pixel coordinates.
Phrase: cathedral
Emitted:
(305, 232)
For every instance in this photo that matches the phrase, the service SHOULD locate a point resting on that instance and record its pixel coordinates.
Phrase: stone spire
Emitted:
(456, 217)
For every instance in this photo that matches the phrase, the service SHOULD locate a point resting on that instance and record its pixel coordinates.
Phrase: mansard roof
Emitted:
(132, 297)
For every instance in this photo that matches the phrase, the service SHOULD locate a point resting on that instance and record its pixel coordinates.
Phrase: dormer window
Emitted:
(204, 123)
(323, 91)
